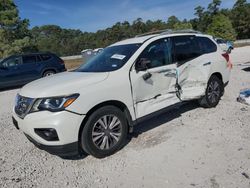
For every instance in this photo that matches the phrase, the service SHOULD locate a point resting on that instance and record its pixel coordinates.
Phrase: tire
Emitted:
(214, 91)
(105, 132)
(48, 73)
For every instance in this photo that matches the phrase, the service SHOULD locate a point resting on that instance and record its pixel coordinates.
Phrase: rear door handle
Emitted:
(206, 64)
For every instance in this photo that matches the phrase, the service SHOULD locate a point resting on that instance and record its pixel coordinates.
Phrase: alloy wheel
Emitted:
(106, 132)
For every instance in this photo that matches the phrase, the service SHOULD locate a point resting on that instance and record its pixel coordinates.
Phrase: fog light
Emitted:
(47, 134)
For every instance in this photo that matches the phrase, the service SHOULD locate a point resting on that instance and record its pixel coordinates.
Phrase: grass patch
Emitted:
(73, 63)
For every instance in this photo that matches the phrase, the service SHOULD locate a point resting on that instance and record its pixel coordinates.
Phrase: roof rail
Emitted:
(181, 31)
(153, 32)
(169, 31)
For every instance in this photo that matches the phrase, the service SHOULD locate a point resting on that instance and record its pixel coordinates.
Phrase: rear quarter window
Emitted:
(207, 45)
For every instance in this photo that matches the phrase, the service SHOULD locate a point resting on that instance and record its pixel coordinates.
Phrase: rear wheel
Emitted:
(213, 93)
(105, 132)
(48, 73)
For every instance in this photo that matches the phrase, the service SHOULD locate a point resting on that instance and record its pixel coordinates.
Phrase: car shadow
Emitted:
(165, 115)
(152, 121)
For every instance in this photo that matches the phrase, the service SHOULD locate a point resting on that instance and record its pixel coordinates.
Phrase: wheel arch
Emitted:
(115, 103)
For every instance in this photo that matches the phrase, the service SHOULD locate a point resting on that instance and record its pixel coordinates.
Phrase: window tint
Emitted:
(207, 45)
(38, 58)
(186, 48)
(29, 59)
(45, 57)
(159, 53)
(11, 62)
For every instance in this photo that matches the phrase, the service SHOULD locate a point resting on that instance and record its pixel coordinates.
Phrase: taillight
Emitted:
(61, 62)
(226, 56)
(229, 64)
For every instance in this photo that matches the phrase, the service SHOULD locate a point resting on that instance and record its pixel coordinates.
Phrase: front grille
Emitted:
(22, 105)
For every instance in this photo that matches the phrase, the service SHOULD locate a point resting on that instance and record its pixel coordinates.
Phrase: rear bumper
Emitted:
(60, 150)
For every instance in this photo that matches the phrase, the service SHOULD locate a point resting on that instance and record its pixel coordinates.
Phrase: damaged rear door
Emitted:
(193, 67)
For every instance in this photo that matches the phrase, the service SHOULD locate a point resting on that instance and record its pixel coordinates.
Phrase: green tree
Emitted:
(14, 33)
(183, 25)
(221, 27)
(240, 16)
(172, 20)
(214, 7)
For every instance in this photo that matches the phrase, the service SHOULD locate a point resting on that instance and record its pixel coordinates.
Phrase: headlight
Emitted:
(53, 104)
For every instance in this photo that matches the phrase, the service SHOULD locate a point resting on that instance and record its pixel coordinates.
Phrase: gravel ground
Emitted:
(185, 147)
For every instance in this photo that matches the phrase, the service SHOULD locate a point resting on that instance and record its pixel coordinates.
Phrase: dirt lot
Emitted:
(185, 147)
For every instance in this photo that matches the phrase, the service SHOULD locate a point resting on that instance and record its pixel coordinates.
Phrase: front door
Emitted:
(154, 87)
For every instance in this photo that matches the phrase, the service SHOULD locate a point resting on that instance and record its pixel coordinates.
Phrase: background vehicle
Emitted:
(225, 45)
(94, 107)
(20, 69)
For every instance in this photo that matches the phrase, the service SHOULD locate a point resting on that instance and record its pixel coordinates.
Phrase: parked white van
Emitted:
(93, 108)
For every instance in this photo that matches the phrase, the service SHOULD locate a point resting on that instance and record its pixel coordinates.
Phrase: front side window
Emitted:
(110, 59)
(29, 59)
(158, 53)
(186, 48)
(11, 62)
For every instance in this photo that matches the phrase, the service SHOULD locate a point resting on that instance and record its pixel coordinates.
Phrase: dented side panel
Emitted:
(156, 92)
(193, 77)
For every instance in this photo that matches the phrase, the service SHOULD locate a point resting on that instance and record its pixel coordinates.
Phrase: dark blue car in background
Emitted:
(18, 70)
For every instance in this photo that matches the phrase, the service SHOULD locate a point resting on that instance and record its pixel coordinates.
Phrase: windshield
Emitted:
(110, 59)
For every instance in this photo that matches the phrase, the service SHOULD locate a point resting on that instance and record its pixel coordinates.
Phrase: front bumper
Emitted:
(62, 150)
(66, 125)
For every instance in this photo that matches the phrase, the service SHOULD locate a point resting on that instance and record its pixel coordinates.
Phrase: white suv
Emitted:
(93, 108)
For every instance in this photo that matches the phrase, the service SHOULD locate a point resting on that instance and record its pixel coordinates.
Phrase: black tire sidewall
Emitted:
(214, 79)
(86, 135)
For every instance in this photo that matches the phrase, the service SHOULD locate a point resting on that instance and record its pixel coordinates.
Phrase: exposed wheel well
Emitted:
(117, 104)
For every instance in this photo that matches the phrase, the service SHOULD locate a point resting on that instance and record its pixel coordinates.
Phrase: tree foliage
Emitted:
(16, 37)
(221, 27)
(240, 16)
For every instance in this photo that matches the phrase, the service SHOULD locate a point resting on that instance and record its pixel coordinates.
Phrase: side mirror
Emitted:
(142, 64)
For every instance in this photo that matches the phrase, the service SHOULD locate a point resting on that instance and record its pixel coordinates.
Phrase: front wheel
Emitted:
(213, 93)
(105, 132)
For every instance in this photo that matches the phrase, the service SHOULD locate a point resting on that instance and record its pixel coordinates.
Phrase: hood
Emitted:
(61, 84)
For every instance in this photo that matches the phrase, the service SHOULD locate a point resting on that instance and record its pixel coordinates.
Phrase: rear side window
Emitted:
(29, 59)
(207, 45)
(45, 57)
(186, 48)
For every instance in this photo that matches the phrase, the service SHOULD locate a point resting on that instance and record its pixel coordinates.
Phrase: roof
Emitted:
(144, 37)
(136, 40)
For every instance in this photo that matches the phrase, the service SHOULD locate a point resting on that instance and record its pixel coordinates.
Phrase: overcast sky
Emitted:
(92, 15)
